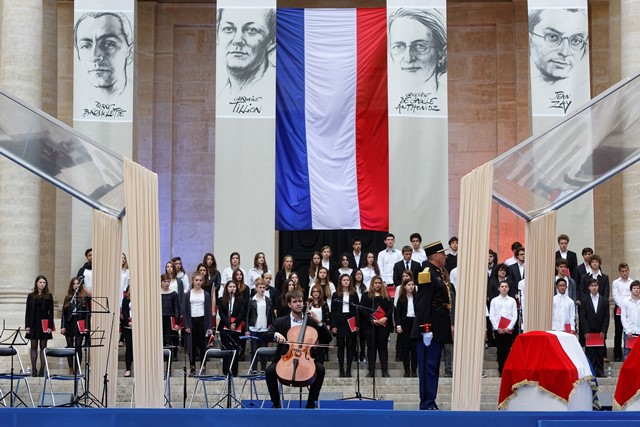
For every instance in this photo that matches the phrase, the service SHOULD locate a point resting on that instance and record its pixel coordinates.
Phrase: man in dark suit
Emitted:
(564, 253)
(406, 263)
(595, 273)
(452, 256)
(594, 319)
(356, 257)
(434, 307)
(278, 332)
(516, 271)
(583, 269)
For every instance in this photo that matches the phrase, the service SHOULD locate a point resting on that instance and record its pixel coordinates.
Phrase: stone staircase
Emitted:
(402, 391)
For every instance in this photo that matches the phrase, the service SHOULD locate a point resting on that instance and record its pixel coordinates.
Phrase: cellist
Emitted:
(278, 332)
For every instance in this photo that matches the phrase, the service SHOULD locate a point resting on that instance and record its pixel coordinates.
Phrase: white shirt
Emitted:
(594, 300)
(453, 277)
(367, 274)
(419, 256)
(411, 312)
(356, 258)
(124, 280)
(88, 280)
(620, 290)
(345, 303)
(254, 274)
(563, 255)
(342, 271)
(386, 261)
(503, 307)
(630, 316)
(261, 321)
(226, 275)
(564, 311)
(197, 304)
(318, 312)
(510, 261)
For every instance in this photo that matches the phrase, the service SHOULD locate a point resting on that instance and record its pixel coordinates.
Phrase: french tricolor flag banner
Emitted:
(332, 167)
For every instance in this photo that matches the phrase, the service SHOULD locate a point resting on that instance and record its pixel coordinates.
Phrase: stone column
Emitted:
(630, 65)
(21, 75)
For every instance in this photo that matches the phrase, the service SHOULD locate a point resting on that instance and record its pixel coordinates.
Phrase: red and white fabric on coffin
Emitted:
(546, 371)
(628, 388)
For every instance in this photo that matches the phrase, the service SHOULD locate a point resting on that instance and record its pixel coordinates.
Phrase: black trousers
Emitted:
(503, 345)
(274, 393)
(617, 338)
(596, 357)
(378, 342)
(128, 343)
(198, 340)
(230, 340)
(349, 343)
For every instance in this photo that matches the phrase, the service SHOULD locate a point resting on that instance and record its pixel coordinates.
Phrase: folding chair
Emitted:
(252, 376)
(51, 377)
(18, 377)
(227, 390)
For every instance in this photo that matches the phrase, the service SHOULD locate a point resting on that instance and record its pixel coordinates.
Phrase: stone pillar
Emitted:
(630, 65)
(21, 75)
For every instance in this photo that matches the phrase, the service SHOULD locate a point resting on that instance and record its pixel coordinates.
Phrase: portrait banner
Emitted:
(245, 127)
(418, 114)
(560, 85)
(103, 60)
(103, 88)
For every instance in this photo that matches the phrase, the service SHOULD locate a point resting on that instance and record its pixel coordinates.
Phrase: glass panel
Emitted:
(547, 171)
(61, 156)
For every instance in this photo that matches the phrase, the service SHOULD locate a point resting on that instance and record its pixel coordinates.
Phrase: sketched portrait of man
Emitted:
(558, 51)
(246, 41)
(418, 53)
(103, 45)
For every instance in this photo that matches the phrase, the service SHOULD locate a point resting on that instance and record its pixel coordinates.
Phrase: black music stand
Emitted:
(94, 338)
(15, 338)
(358, 394)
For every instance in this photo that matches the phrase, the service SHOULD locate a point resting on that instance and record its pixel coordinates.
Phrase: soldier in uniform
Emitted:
(434, 313)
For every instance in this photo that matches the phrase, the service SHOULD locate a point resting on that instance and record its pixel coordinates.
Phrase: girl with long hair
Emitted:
(342, 312)
(213, 278)
(378, 326)
(328, 288)
(227, 273)
(197, 321)
(75, 310)
(39, 308)
(370, 268)
(314, 265)
(405, 315)
(361, 289)
(319, 306)
(170, 308)
(232, 308)
(285, 271)
(259, 268)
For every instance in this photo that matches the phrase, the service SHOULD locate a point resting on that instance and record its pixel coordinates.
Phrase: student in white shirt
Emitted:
(503, 306)
(620, 288)
(564, 308)
(259, 268)
(387, 258)
(630, 315)
(418, 254)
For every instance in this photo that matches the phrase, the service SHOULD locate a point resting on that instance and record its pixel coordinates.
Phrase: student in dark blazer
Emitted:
(603, 280)
(259, 317)
(570, 256)
(514, 269)
(360, 262)
(278, 333)
(401, 266)
(581, 270)
(594, 319)
(341, 313)
(232, 308)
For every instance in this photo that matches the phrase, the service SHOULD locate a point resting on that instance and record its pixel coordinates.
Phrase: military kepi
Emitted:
(433, 248)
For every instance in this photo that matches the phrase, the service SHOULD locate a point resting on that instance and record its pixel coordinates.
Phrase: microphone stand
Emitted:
(358, 394)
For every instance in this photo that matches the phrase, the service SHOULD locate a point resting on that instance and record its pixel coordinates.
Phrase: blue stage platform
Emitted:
(59, 417)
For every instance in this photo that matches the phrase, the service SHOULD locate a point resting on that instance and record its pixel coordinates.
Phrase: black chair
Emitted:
(50, 377)
(18, 377)
(227, 393)
(252, 376)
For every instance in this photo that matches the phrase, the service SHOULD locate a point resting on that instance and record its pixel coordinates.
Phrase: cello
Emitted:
(297, 368)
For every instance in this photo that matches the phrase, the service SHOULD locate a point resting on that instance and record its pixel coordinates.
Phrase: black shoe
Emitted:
(41, 372)
(311, 406)
(276, 405)
(406, 374)
(341, 373)
(347, 374)
(370, 374)
(617, 359)
(398, 358)
(433, 408)
(414, 374)
(385, 374)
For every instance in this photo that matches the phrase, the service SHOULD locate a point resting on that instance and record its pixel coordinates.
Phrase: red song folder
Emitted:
(180, 324)
(567, 328)
(594, 340)
(631, 340)
(504, 322)
(45, 325)
(379, 314)
(82, 326)
(352, 323)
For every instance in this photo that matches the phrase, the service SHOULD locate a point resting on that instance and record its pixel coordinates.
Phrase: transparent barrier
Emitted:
(547, 171)
(61, 156)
